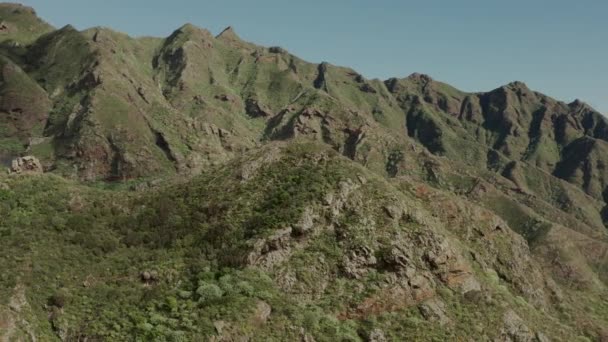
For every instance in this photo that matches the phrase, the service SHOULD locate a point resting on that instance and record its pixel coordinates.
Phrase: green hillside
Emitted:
(204, 188)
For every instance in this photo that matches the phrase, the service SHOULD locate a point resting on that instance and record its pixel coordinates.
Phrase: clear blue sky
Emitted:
(555, 46)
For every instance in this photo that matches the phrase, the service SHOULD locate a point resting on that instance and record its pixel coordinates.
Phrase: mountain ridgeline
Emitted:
(202, 187)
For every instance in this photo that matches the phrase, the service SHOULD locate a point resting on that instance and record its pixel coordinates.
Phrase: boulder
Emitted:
(393, 211)
(514, 329)
(219, 326)
(256, 109)
(149, 276)
(262, 312)
(434, 310)
(376, 335)
(356, 264)
(306, 222)
(145, 276)
(26, 165)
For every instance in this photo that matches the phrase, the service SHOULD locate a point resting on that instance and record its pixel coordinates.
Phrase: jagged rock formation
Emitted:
(27, 164)
(113, 107)
(289, 200)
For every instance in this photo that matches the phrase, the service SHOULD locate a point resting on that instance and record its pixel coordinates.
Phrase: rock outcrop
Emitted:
(26, 165)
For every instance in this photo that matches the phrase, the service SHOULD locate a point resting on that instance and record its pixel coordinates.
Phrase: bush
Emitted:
(172, 304)
(208, 292)
(184, 294)
(59, 299)
(245, 289)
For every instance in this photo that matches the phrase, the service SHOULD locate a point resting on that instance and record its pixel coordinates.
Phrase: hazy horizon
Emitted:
(553, 47)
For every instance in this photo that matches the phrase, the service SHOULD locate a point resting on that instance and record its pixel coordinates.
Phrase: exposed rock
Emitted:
(225, 98)
(398, 258)
(394, 298)
(306, 337)
(366, 88)
(272, 250)
(356, 264)
(12, 321)
(228, 33)
(227, 332)
(276, 49)
(469, 284)
(514, 329)
(451, 268)
(376, 335)
(321, 81)
(145, 276)
(26, 165)
(149, 276)
(219, 326)
(262, 312)
(337, 201)
(540, 337)
(421, 287)
(393, 211)
(142, 93)
(434, 310)
(306, 223)
(59, 323)
(362, 179)
(255, 109)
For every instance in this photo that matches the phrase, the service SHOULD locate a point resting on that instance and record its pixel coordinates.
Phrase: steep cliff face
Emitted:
(253, 194)
(511, 123)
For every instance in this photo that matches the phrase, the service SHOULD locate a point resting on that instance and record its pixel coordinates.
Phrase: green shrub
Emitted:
(172, 304)
(244, 288)
(59, 299)
(184, 294)
(208, 292)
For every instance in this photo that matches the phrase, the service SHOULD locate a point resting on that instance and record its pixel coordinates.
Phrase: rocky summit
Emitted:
(204, 188)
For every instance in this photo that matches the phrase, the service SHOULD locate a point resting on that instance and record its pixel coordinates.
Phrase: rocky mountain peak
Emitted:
(518, 85)
(228, 34)
(578, 104)
(189, 28)
(419, 77)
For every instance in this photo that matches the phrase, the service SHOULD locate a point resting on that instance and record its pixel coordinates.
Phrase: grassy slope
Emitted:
(22, 24)
(79, 252)
(23, 106)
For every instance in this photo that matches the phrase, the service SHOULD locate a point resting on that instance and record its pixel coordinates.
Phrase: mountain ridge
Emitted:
(201, 186)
